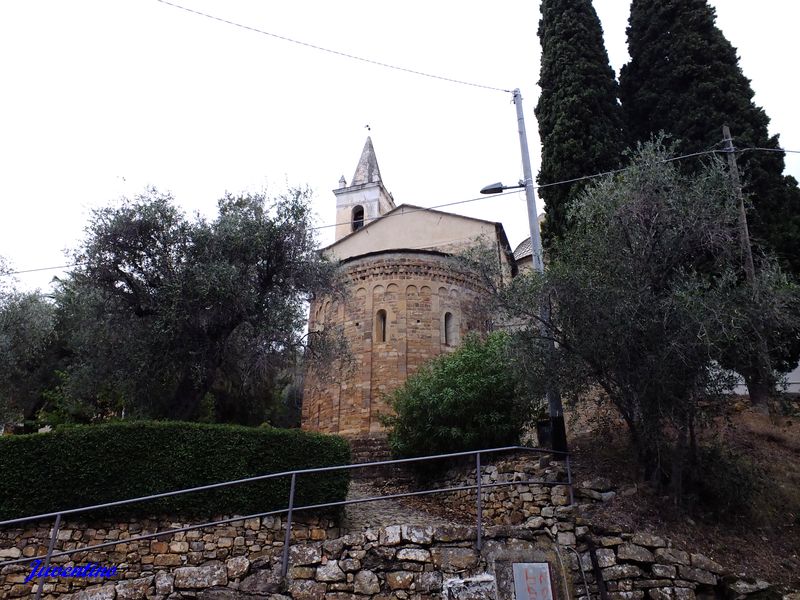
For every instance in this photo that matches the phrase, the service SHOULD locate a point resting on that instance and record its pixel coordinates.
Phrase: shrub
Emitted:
(724, 483)
(82, 465)
(461, 401)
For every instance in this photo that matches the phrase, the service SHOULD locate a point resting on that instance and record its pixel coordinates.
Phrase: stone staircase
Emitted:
(373, 448)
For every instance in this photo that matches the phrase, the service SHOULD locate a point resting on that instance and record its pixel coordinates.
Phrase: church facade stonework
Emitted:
(405, 300)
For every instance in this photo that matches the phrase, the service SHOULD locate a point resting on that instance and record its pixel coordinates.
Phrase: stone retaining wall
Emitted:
(243, 560)
(252, 538)
(393, 562)
(531, 505)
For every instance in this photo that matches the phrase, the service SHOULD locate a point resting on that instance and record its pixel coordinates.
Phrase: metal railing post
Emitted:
(56, 525)
(479, 541)
(288, 537)
(569, 482)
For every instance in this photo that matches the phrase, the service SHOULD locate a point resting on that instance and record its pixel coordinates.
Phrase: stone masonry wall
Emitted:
(243, 560)
(532, 505)
(416, 290)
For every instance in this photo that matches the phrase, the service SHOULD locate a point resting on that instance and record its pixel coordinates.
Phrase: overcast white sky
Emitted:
(102, 98)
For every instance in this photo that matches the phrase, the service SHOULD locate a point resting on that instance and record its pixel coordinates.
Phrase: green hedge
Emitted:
(82, 465)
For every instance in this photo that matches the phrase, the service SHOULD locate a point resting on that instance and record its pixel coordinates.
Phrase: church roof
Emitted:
(404, 209)
(428, 230)
(367, 170)
(524, 249)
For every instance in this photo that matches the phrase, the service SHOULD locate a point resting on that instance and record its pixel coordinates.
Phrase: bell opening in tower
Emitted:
(358, 217)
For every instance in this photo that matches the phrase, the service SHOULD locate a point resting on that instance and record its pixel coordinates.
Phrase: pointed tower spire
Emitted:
(365, 199)
(367, 170)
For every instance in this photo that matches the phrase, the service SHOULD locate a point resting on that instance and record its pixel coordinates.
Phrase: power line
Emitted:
(39, 269)
(469, 200)
(330, 51)
(420, 209)
(783, 150)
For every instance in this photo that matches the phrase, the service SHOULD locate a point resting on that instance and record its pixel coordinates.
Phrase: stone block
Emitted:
(601, 484)
(307, 589)
(237, 566)
(429, 581)
(651, 583)
(101, 592)
(302, 572)
(454, 533)
(366, 582)
(608, 541)
(664, 571)
(451, 560)
(742, 586)
(413, 554)
(208, 575)
(300, 555)
(629, 595)
(133, 589)
(167, 560)
(221, 593)
(163, 583)
(265, 581)
(698, 575)
(703, 562)
(399, 580)
(349, 565)
(481, 587)
(621, 572)
(670, 593)
(605, 558)
(672, 556)
(534, 523)
(566, 538)
(330, 571)
(390, 536)
(635, 553)
(179, 547)
(649, 540)
(10, 553)
(417, 535)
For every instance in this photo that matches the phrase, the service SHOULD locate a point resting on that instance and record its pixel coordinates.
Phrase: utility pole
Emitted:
(744, 234)
(558, 430)
(758, 386)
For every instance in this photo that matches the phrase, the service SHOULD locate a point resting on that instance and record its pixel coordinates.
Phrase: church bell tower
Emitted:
(365, 199)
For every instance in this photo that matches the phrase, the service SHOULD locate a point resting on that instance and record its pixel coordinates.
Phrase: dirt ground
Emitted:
(765, 544)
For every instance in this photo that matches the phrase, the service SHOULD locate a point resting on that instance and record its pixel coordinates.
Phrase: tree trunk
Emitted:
(678, 461)
(188, 396)
(759, 391)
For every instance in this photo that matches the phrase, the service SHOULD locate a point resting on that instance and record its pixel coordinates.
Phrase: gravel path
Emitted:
(381, 513)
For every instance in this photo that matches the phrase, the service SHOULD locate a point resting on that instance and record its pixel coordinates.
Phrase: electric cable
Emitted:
(335, 52)
(469, 200)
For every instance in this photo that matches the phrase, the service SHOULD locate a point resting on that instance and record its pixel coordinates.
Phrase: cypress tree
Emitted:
(684, 78)
(580, 120)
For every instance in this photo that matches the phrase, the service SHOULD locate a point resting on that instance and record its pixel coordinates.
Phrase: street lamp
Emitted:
(555, 409)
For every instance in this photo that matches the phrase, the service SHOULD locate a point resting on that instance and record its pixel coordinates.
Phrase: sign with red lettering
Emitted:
(532, 581)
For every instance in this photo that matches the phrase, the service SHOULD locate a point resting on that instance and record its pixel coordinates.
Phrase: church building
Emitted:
(406, 298)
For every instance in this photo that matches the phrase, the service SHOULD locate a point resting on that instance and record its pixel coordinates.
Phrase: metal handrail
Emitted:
(291, 508)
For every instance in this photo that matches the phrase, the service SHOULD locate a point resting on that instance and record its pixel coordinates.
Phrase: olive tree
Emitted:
(171, 316)
(648, 293)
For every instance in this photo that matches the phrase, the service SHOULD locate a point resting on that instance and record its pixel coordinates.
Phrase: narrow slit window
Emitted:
(380, 326)
(358, 217)
(449, 329)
